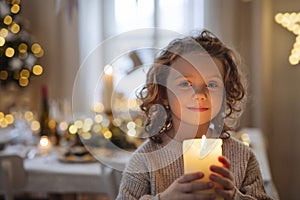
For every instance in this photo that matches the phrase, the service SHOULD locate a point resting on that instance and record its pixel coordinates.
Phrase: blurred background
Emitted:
(69, 34)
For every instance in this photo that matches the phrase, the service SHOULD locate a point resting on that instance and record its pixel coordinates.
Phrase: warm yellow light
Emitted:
(98, 107)
(3, 32)
(25, 73)
(73, 129)
(278, 17)
(39, 54)
(22, 48)
(78, 124)
(15, 28)
(3, 75)
(107, 134)
(52, 124)
(1, 115)
(23, 81)
(293, 60)
(3, 123)
(44, 141)
(9, 118)
(291, 22)
(131, 132)
(28, 115)
(36, 48)
(7, 20)
(35, 125)
(131, 125)
(9, 52)
(15, 8)
(98, 118)
(37, 70)
(63, 126)
(2, 41)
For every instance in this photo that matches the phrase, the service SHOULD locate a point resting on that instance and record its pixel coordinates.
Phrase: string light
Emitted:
(15, 8)
(2, 41)
(18, 48)
(7, 20)
(291, 22)
(37, 70)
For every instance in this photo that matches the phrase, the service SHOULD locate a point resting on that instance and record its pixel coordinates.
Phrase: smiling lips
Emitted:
(198, 109)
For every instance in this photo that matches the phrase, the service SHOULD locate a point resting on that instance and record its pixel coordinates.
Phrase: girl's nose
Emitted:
(201, 93)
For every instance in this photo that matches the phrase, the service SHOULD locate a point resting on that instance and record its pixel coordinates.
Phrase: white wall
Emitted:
(274, 83)
(58, 35)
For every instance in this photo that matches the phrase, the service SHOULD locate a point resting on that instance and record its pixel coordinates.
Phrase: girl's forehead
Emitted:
(198, 64)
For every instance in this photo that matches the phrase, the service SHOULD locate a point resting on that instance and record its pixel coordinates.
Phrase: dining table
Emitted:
(49, 173)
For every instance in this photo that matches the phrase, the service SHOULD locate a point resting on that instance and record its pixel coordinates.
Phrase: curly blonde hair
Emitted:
(154, 92)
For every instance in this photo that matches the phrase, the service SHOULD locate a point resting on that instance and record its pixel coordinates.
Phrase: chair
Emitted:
(111, 179)
(12, 175)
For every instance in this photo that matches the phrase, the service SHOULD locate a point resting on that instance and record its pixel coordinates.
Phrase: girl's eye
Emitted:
(212, 85)
(185, 84)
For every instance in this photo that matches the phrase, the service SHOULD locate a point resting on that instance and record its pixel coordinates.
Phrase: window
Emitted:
(126, 29)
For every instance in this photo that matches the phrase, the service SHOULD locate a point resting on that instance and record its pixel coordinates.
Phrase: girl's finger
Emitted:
(224, 161)
(195, 186)
(222, 171)
(190, 177)
(225, 182)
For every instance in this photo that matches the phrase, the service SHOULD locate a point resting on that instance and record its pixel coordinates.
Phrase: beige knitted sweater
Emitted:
(153, 168)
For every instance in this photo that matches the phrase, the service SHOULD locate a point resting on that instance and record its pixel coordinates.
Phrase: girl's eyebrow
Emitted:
(181, 76)
(215, 77)
(187, 76)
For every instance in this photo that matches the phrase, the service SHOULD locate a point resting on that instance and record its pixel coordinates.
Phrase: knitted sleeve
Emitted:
(135, 182)
(252, 186)
(134, 186)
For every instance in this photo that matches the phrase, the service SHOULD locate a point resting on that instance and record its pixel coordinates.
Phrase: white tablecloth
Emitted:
(47, 174)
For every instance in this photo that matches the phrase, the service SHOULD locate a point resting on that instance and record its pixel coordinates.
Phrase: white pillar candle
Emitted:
(107, 88)
(199, 155)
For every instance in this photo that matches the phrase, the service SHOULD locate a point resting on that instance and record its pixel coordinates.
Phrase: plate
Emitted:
(77, 154)
(88, 158)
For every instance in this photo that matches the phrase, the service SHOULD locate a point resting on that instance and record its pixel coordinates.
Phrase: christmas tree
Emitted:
(19, 55)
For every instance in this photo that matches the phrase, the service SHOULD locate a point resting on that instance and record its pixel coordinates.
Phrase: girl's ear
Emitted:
(165, 101)
(164, 97)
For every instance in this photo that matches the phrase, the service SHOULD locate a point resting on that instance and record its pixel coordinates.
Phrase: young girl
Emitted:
(193, 89)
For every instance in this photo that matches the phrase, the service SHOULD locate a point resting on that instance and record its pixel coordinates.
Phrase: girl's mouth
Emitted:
(198, 109)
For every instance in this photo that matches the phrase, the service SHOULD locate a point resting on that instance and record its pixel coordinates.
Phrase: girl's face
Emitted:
(195, 89)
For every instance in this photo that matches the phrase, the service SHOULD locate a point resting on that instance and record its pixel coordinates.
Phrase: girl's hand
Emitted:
(185, 187)
(224, 178)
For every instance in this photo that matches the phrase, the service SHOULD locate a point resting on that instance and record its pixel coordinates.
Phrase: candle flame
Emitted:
(203, 147)
(108, 70)
(203, 142)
